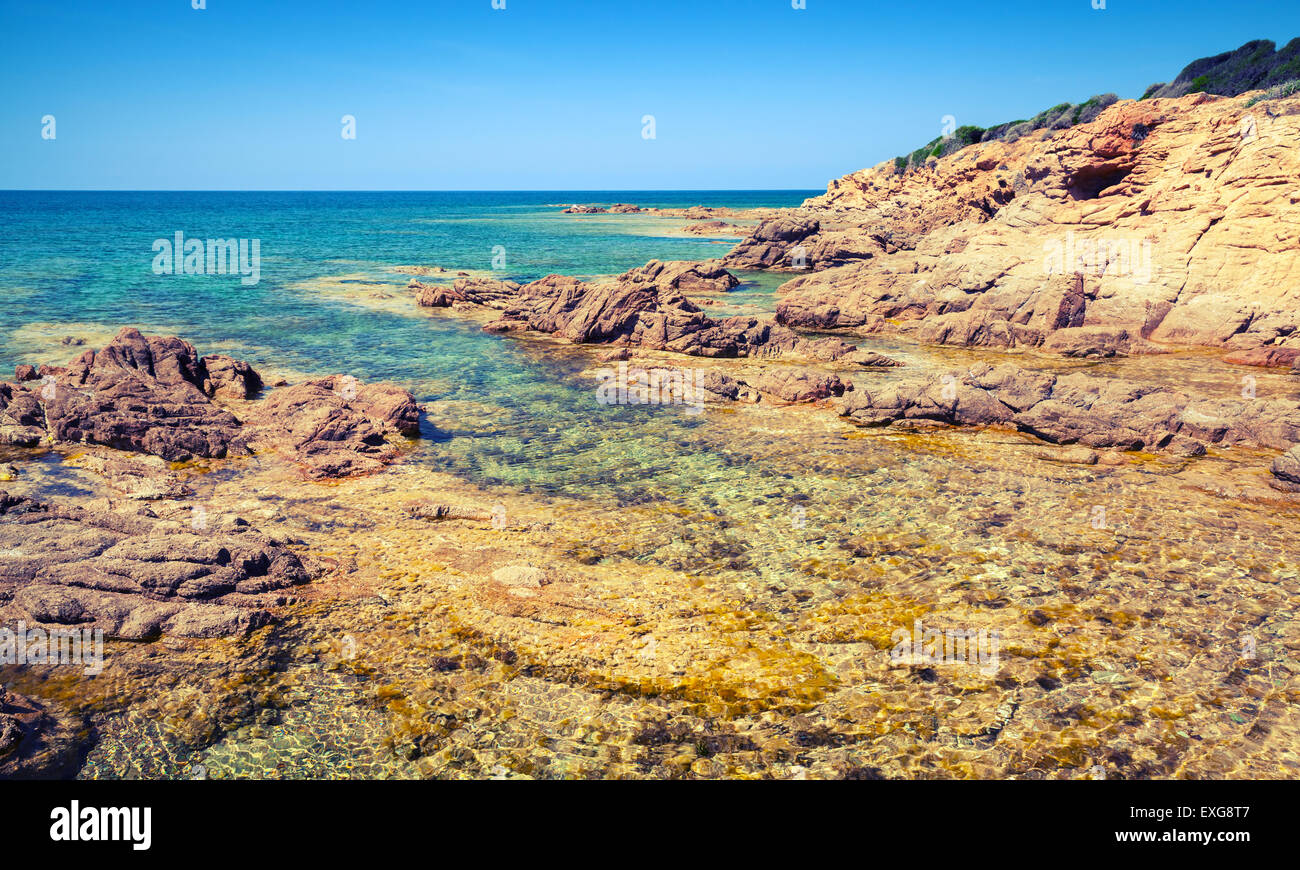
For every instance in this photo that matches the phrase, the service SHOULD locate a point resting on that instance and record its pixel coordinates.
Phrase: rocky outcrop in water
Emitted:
(136, 576)
(1080, 409)
(157, 396)
(682, 276)
(1162, 222)
(795, 385)
(150, 395)
(644, 308)
(715, 228)
(336, 426)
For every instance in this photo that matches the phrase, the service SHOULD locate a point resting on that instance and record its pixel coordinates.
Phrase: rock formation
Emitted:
(150, 395)
(644, 308)
(135, 576)
(1286, 471)
(157, 396)
(1081, 409)
(336, 426)
(1162, 222)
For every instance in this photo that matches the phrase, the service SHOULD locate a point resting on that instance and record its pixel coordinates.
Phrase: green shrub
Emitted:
(967, 135)
(1278, 92)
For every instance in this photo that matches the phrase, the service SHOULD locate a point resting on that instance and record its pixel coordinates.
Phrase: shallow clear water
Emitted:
(766, 552)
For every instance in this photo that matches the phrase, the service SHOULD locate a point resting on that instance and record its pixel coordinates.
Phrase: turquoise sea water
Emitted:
(81, 264)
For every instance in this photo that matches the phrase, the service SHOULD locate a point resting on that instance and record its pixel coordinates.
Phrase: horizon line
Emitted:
(410, 190)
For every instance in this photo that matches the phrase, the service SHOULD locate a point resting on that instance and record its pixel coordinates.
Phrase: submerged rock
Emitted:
(138, 477)
(10, 730)
(432, 511)
(714, 228)
(37, 742)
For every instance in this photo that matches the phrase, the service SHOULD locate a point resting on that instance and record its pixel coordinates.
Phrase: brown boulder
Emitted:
(146, 394)
(135, 576)
(800, 384)
(1286, 468)
(336, 426)
(230, 378)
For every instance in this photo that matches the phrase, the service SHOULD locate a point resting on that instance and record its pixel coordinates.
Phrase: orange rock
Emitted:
(1177, 220)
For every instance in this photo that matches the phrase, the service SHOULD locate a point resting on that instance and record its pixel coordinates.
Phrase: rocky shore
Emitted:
(1161, 223)
(157, 396)
(1141, 227)
(541, 636)
(643, 308)
(1064, 309)
(145, 417)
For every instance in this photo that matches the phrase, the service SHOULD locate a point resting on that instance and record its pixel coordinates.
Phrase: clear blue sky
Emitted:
(549, 94)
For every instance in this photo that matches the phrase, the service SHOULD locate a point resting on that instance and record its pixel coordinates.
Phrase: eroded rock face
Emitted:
(643, 308)
(151, 395)
(1286, 471)
(336, 426)
(682, 276)
(155, 395)
(780, 242)
(1173, 221)
(790, 384)
(135, 576)
(1080, 409)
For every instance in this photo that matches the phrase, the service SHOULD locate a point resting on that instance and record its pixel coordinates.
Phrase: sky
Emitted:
(552, 94)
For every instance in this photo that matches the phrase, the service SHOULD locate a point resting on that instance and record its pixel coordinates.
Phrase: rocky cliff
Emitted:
(1162, 222)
